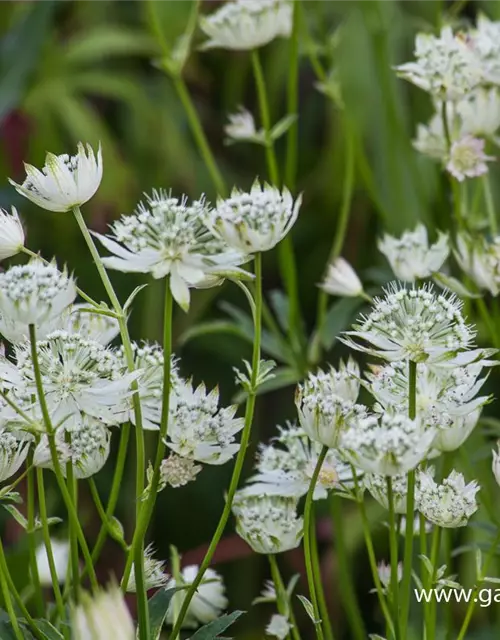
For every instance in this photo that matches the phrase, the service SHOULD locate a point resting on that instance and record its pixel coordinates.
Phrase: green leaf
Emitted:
(108, 41)
(282, 126)
(212, 630)
(158, 607)
(17, 515)
(337, 319)
(307, 604)
(20, 52)
(48, 630)
(283, 377)
(131, 297)
(211, 327)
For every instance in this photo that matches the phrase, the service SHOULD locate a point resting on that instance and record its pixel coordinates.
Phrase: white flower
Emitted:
(11, 234)
(387, 445)
(199, 430)
(241, 127)
(278, 627)
(169, 237)
(269, 524)
(480, 259)
(154, 572)
(60, 553)
(208, 602)
(89, 446)
(42, 456)
(102, 617)
(377, 486)
(341, 279)
(33, 293)
(384, 573)
(92, 326)
(479, 112)
(495, 466)
(446, 66)
(247, 24)
(431, 140)
(449, 504)
(255, 221)
(79, 377)
(453, 436)
(412, 324)
(13, 453)
(411, 257)
(467, 158)
(176, 471)
(65, 181)
(326, 402)
(286, 470)
(486, 43)
(416, 525)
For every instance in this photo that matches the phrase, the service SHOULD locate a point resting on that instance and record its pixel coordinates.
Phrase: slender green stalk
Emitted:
(473, 601)
(245, 437)
(410, 510)
(35, 577)
(293, 101)
(431, 619)
(4, 570)
(490, 204)
(100, 509)
(148, 505)
(281, 597)
(10, 607)
(347, 592)
(309, 532)
(73, 540)
(393, 544)
(323, 608)
(48, 544)
(70, 507)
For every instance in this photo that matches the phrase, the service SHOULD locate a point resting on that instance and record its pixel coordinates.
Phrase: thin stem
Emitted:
(473, 601)
(48, 543)
(323, 609)
(431, 620)
(100, 508)
(393, 543)
(70, 507)
(490, 204)
(410, 509)
(38, 594)
(293, 101)
(10, 607)
(281, 597)
(308, 533)
(199, 136)
(73, 540)
(245, 437)
(272, 163)
(4, 570)
(348, 592)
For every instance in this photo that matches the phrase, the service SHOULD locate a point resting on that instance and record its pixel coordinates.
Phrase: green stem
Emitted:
(100, 509)
(4, 570)
(410, 509)
(240, 458)
(70, 507)
(473, 601)
(293, 101)
(73, 540)
(281, 597)
(199, 136)
(48, 544)
(490, 204)
(323, 608)
(347, 592)
(308, 533)
(393, 543)
(10, 607)
(431, 620)
(38, 594)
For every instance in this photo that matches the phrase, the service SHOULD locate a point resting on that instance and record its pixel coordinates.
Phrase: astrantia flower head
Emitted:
(467, 158)
(208, 602)
(341, 279)
(326, 402)
(384, 573)
(199, 430)
(13, 453)
(377, 486)
(480, 259)
(412, 324)
(65, 181)
(79, 376)
(285, 468)
(89, 447)
(449, 504)
(255, 221)
(446, 66)
(278, 627)
(154, 572)
(169, 237)
(33, 293)
(93, 326)
(102, 617)
(176, 471)
(60, 554)
(11, 234)
(431, 140)
(485, 40)
(411, 257)
(247, 24)
(269, 524)
(479, 112)
(387, 445)
(241, 128)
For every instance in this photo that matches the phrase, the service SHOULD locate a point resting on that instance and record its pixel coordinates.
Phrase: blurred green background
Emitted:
(92, 71)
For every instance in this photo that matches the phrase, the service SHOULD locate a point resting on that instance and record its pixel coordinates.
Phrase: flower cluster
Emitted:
(449, 504)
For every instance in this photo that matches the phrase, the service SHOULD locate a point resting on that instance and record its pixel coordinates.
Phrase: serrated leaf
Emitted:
(449, 282)
(48, 630)
(282, 126)
(158, 607)
(283, 377)
(212, 630)
(307, 604)
(12, 496)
